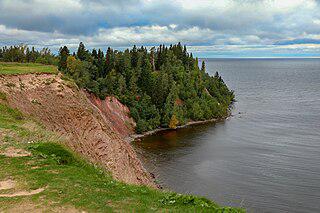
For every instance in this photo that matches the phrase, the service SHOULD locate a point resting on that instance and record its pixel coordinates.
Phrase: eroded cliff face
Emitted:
(94, 128)
(115, 114)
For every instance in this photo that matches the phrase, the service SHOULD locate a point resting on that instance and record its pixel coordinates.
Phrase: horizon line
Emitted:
(269, 57)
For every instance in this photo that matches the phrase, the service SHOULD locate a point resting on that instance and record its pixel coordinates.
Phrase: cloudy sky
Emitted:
(210, 28)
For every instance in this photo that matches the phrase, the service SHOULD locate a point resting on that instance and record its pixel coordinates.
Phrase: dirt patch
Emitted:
(34, 208)
(31, 126)
(23, 193)
(53, 171)
(7, 184)
(6, 133)
(15, 152)
(11, 184)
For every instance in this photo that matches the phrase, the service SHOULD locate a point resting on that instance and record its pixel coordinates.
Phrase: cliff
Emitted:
(94, 128)
(115, 114)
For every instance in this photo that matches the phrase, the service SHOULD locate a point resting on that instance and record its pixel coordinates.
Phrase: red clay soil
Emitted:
(94, 129)
(115, 114)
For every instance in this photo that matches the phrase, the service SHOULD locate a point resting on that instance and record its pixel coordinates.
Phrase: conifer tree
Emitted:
(94, 54)
(81, 52)
(170, 105)
(134, 57)
(63, 56)
(145, 76)
(203, 67)
(152, 58)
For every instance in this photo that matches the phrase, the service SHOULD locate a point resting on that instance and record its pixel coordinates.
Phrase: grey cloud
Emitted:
(228, 22)
(70, 17)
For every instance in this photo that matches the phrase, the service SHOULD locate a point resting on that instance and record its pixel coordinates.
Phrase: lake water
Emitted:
(266, 157)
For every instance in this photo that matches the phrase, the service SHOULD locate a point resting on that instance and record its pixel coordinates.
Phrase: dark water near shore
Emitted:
(266, 157)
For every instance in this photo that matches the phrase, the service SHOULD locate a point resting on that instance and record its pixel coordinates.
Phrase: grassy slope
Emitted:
(69, 180)
(24, 68)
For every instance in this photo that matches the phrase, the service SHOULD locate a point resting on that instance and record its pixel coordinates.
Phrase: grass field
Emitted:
(69, 182)
(25, 68)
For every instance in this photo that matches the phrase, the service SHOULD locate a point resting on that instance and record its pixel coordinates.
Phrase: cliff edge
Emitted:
(94, 128)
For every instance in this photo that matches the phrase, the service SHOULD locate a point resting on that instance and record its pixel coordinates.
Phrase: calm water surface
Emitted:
(266, 157)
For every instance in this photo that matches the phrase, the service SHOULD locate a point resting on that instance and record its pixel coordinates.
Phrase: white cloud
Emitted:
(122, 36)
(98, 23)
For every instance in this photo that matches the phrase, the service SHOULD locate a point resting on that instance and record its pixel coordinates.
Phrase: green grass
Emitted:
(3, 96)
(70, 181)
(25, 68)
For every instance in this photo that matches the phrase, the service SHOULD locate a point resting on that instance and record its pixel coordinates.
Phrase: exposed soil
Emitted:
(23, 193)
(15, 152)
(7, 184)
(11, 184)
(115, 114)
(95, 129)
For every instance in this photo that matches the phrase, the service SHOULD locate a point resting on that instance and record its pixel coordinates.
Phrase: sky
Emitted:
(210, 28)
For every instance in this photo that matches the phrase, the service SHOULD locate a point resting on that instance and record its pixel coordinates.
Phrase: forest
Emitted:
(163, 86)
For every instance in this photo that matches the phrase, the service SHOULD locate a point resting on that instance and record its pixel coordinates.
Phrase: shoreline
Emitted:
(134, 137)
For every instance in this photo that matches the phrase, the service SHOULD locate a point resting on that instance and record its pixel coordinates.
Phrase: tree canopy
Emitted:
(163, 87)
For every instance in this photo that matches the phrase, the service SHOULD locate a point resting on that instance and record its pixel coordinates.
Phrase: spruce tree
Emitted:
(203, 67)
(63, 56)
(145, 76)
(82, 52)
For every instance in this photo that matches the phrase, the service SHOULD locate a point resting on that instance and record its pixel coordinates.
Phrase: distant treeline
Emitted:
(164, 87)
(24, 54)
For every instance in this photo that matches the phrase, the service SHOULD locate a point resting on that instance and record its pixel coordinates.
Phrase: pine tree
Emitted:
(203, 67)
(170, 105)
(100, 64)
(63, 56)
(134, 57)
(145, 76)
(110, 60)
(94, 54)
(82, 52)
(28, 55)
(152, 58)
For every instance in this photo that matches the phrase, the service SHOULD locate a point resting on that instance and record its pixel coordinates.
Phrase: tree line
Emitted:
(24, 54)
(163, 86)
